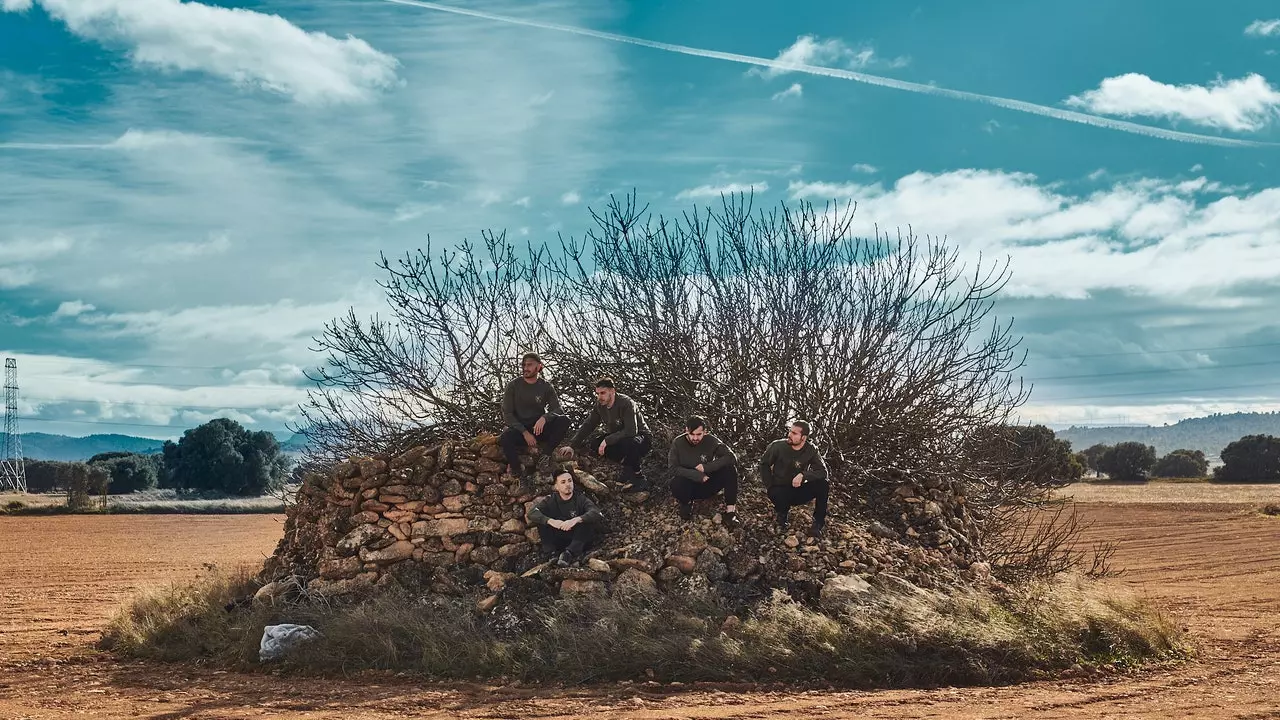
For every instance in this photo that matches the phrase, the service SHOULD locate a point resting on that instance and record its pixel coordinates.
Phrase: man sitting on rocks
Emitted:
(702, 466)
(567, 521)
(534, 418)
(627, 440)
(795, 474)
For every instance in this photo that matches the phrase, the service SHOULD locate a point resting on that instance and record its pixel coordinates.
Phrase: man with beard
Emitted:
(626, 435)
(567, 521)
(534, 418)
(703, 466)
(795, 474)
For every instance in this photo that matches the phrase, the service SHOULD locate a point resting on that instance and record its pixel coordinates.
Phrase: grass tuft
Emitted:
(892, 640)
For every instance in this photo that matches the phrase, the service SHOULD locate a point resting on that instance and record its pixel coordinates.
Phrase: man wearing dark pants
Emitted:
(702, 466)
(534, 418)
(795, 474)
(567, 521)
(626, 435)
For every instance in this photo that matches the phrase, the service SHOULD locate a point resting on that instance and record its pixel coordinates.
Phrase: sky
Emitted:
(189, 191)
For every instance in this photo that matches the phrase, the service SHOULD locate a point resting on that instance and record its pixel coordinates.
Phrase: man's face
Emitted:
(605, 396)
(695, 436)
(531, 368)
(564, 485)
(795, 436)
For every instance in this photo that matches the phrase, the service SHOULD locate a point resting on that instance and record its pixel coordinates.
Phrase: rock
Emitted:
(366, 517)
(410, 457)
(843, 590)
(463, 552)
(345, 470)
(684, 563)
(514, 550)
(371, 467)
(879, 530)
(932, 509)
(340, 568)
(634, 584)
(401, 550)
(442, 558)
(709, 564)
(392, 499)
(591, 484)
(487, 604)
(691, 543)
(440, 527)
(484, 555)
(791, 541)
(358, 537)
(399, 516)
(512, 526)
(731, 623)
(582, 587)
(979, 571)
(456, 503)
(497, 581)
(397, 533)
(622, 564)
(669, 574)
(536, 569)
(598, 565)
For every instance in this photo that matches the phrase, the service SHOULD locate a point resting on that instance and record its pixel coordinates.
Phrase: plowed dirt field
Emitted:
(1215, 566)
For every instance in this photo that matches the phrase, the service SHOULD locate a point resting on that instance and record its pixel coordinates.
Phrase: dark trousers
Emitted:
(784, 497)
(726, 478)
(512, 440)
(575, 541)
(627, 452)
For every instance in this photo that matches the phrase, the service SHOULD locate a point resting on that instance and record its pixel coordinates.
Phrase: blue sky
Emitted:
(189, 191)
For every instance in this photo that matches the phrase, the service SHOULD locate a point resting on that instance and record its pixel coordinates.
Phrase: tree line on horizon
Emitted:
(1252, 458)
(219, 457)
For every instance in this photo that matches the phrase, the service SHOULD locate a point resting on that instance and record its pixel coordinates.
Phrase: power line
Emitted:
(102, 422)
(1158, 352)
(174, 406)
(1160, 392)
(156, 383)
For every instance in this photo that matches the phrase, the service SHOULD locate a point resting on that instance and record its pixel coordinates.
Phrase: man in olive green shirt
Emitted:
(794, 473)
(625, 438)
(531, 409)
(702, 466)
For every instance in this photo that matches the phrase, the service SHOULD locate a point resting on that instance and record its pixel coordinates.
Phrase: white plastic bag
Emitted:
(278, 640)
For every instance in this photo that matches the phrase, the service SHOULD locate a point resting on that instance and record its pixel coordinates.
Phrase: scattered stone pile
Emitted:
(443, 519)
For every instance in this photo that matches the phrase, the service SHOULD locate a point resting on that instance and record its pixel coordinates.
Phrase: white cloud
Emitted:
(246, 47)
(809, 50)
(1149, 237)
(1263, 28)
(1249, 103)
(796, 90)
(715, 191)
(570, 198)
(217, 244)
(12, 278)
(865, 168)
(15, 5)
(72, 308)
(413, 211)
(523, 202)
(30, 250)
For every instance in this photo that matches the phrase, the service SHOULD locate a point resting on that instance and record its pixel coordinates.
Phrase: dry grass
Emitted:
(151, 502)
(1165, 492)
(914, 639)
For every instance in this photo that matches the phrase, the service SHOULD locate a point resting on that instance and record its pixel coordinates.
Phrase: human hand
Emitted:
(603, 443)
(529, 439)
(557, 524)
(699, 468)
(538, 426)
(797, 480)
(705, 478)
(572, 523)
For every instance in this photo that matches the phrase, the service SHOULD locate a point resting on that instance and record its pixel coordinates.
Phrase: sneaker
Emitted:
(565, 559)
(816, 530)
(730, 520)
(526, 480)
(685, 510)
(781, 517)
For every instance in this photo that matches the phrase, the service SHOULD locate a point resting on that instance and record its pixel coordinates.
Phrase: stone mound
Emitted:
(443, 519)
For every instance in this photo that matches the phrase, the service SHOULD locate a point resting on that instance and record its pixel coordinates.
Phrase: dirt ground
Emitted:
(1216, 567)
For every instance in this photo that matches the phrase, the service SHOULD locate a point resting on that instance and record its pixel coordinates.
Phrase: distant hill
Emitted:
(1209, 434)
(43, 446)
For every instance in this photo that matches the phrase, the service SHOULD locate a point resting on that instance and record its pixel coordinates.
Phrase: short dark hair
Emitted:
(803, 425)
(694, 422)
(605, 382)
(531, 356)
(562, 471)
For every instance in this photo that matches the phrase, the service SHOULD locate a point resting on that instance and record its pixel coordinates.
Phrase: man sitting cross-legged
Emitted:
(532, 411)
(795, 474)
(567, 521)
(626, 437)
(703, 466)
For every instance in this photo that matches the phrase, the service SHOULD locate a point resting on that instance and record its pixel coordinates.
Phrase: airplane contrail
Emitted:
(1007, 103)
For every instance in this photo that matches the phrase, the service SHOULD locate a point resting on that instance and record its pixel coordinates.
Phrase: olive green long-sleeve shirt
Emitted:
(712, 454)
(523, 403)
(781, 463)
(622, 421)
